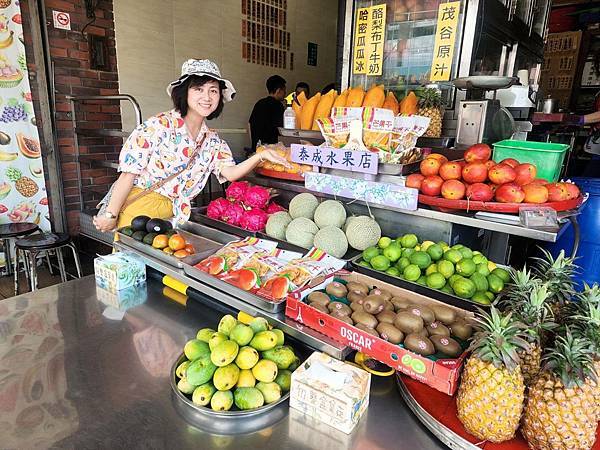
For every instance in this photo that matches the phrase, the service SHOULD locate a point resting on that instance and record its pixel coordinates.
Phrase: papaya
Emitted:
(374, 96)
(30, 148)
(324, 108)
(301, 98)
(356, 96)
(297, 109)
(409, 104)
(340, 100)
(308, 111)
(391, 103)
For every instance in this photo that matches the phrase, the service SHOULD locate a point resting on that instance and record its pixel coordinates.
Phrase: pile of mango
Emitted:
(243, 365)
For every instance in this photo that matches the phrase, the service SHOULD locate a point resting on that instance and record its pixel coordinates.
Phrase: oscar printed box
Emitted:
(331, 391)
(119, 270)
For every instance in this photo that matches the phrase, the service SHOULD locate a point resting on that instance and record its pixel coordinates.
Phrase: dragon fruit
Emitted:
(235, 191)
(256, 197)
(273, 207)
(217, 208)
(233, 214)
(254, 220)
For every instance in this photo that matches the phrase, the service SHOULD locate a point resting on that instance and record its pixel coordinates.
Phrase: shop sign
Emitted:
(335, 158)
(369, 36)
(445, 37)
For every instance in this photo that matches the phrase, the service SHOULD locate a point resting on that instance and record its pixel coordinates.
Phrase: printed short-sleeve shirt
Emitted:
(162, 146)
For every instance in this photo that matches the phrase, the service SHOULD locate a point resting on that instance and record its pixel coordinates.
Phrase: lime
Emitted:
(481, 298)
(446, 268)
(364, 263)
(491, 265)
(392, 252)
(496, 284)
(402, 263)
(421, 259)
(369, 253)
(426, 244)
(431, 269)
(447, 289)
(479, 258)
(407, 252)
(466, 252)
(393, 271)
(481, 283)
(502, 274)
(436, 280)
(453, 279)
(435, 251)
(464, 288)
(417, 248)
(482, 268)
(409, 240)
(384, 242)
(490, 295)
(380, 262)
(465, 267)
(453, 256)
(457, 247)
(412, 272)
(422, 280)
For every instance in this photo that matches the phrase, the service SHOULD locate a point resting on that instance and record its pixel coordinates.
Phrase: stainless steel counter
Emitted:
(74, 374)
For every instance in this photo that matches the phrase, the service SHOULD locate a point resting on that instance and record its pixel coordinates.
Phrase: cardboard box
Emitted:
(119, 271)
(442, 374)
(331, 391)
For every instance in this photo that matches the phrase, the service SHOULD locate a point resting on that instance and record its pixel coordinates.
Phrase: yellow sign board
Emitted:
(369, 38)
(445, 37)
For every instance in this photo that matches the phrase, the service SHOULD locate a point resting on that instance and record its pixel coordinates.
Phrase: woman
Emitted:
(177, 143)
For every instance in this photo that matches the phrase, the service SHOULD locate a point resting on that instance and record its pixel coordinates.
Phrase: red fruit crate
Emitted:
(441, 374)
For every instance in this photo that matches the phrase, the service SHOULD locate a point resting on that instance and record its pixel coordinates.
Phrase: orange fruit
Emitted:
(190, 249)
(160, 241)
(168, 250)
(177, 242)
(181, 253)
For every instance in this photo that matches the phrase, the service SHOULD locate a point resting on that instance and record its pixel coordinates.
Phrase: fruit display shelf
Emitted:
(199, 216)
(509, 208)
(278, 174)
(438, 413)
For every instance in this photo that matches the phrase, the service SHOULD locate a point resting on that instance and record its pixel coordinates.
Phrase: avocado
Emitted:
(156, 226)
(139, 235)
(149, 238)
(127, 231)
(139, 223)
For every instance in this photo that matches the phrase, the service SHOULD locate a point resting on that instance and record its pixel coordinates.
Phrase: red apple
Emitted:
(510, 193)
(512, 162)
(430, 166)
(432, 185)
(453, 190)
(450, 171)
(502, 174)
(535, 193)
(478, 152)
(475, 172)
(525, 173)
(479, 192)
(557, 192)
(414, 180)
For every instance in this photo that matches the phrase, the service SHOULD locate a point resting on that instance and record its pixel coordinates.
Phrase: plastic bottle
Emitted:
(289, 118)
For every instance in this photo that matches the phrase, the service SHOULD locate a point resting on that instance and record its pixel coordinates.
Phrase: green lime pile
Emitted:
(456, 270)
(243, 365)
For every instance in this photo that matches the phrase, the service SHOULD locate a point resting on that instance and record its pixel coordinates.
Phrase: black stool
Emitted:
(29, 247)
(9, 231)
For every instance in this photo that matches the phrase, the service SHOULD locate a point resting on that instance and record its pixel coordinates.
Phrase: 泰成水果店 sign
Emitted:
(335, 158)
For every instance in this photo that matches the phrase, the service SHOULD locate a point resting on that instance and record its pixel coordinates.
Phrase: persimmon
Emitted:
(177, 242)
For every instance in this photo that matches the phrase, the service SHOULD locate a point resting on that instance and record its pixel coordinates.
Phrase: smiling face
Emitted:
(204, 99)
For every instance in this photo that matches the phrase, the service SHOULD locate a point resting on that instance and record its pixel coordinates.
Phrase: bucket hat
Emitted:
(202, 67)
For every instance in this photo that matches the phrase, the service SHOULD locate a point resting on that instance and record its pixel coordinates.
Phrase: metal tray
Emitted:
(208, 232)
(415, 287)
(199, 215)
(204, 247)
(203, 277)
(302, 134)
(486, 82)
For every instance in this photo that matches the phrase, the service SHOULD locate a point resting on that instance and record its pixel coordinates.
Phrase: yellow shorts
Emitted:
(153, 205)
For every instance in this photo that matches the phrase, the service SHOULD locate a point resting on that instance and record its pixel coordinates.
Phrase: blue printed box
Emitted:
(119, 271)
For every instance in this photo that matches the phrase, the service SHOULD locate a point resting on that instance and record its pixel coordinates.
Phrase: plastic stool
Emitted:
(9, 231)
(29, 247)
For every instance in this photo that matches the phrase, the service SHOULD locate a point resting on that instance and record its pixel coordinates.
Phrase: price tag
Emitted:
(538, 217)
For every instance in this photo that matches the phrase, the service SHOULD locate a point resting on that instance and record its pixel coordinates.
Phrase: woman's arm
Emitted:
(592, 118)
(121, 190)
(232, 173)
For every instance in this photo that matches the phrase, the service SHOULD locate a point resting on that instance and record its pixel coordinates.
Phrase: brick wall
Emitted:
(73, 76)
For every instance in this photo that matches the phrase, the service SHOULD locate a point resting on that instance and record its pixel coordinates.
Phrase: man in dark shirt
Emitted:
(267, 114)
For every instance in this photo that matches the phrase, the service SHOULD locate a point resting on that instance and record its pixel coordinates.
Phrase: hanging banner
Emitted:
(445, 37)
(369, 37)
(360, 41)
(22, 188)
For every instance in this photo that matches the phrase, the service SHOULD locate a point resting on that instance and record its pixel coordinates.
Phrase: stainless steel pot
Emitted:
(548, 106)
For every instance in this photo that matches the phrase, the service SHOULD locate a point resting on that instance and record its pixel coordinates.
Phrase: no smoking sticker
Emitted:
(62, 20)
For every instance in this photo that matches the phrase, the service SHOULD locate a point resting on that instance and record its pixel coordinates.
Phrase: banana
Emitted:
(5, 156)
(9, 40)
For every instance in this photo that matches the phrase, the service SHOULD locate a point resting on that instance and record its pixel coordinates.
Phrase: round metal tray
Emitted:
(486, 82)
(226, 422)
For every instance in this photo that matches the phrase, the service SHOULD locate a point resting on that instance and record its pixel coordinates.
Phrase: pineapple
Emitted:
(431, 105)
(561, 408)
(490, 397)
(24, 185)
(558, 273)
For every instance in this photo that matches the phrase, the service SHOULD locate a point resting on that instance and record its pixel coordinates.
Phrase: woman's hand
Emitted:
(104, 224)
(274, 157)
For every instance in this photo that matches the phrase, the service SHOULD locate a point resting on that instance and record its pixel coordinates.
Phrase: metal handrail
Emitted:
(136, 105)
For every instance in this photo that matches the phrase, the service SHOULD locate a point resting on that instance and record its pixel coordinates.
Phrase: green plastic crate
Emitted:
(548, 157)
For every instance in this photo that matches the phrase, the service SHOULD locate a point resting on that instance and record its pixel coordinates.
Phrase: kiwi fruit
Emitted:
(340, 308)
(419, 344)
(400, 303)
(446, 345)
(461, 329)
(373, 304)
(422, 311)
(438, 329)
(320, 307)
(423, 332)
(386, 316)
(444, 314)
(388, 306)
(390, 333)
(357, 286)
(362, 326)
(355, 306)
(408, 322)
(355, 296)
(319, 297)
(385, 294)
(365, 318)
(336, 289)
(341, 316)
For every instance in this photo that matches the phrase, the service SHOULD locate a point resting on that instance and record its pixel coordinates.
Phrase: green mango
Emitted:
(259, 324)
(264, 340)
(295, 364)
(203, 394)
(282, 356)
(280, 336)
(247, 358)
(216, 339)
(248, 398)
(226, 324)
(242, 334)
(205, 334)
(224, 353)
(226, 377)
(181, 368)
(221, 401)
(284, 379)
(195, 349)
(200, 371)
(270, 391)
(265, 370)
(185, 387)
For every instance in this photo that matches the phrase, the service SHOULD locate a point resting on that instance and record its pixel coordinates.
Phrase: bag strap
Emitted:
(164, 181)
